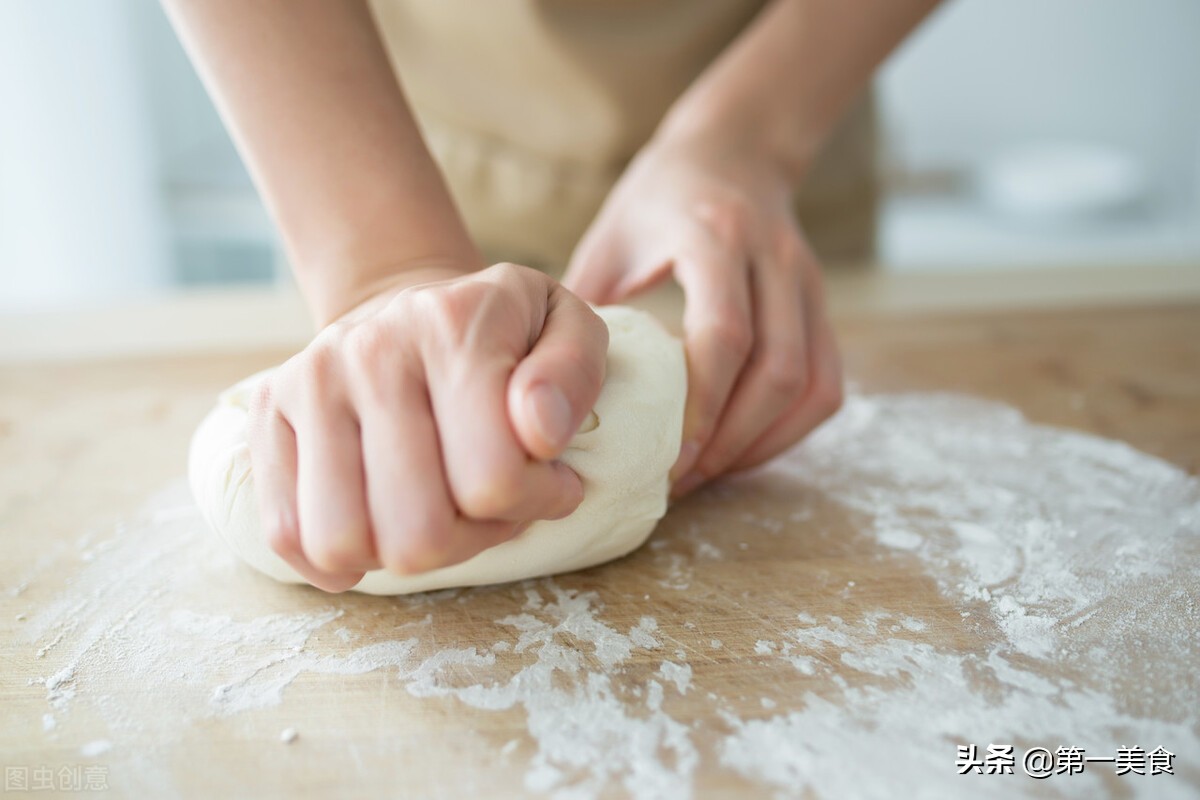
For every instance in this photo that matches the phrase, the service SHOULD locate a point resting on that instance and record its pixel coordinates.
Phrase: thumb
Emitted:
(553, 389)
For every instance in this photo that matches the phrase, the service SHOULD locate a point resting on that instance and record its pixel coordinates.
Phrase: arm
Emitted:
(307, 91)
(781, 87)
(709, 201)
(423, 423)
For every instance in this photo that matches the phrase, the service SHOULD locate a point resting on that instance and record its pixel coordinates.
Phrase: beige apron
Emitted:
(534, 107)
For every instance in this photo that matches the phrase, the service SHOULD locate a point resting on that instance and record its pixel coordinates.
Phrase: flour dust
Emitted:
(1066, 567)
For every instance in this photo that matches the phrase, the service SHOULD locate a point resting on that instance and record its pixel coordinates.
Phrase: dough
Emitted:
(622, 454)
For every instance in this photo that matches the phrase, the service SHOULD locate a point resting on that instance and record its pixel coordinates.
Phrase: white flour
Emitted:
(1071, 564)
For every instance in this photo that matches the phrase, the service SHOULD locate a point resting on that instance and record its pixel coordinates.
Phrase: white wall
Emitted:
(193, 145)
(986, 74)
(81, 217)
(116, 173)
(983, 77)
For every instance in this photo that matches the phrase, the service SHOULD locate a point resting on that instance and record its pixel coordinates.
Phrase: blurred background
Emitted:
(1016, 134)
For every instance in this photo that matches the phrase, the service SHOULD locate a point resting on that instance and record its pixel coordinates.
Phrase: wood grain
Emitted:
(82, 444)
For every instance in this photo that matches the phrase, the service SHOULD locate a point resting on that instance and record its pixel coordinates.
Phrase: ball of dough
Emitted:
(622, 454)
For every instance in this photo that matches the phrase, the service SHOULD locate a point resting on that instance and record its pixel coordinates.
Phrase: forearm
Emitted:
(780, 87)
(310, 98)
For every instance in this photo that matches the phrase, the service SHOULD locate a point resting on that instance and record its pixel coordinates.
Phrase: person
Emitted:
(422, 423)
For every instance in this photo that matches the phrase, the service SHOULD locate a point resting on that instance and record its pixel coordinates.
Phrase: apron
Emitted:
(532, 109)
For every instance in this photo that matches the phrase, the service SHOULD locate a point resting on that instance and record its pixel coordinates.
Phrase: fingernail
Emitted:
(551, 414)
(687, 483)
(687, 458)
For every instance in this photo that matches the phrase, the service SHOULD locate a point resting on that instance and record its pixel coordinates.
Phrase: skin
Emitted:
(422, 424)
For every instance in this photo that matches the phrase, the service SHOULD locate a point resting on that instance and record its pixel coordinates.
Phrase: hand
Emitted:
(421, 427)
(762, 362)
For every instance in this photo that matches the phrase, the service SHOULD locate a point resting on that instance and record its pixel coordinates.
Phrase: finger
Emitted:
(415, 523)
(273, 459)
(820, 401)
(490, 475)
(777, 373)
(334, 528)
(718, 336)
(602, 270)
(595, 267)
(554, 388)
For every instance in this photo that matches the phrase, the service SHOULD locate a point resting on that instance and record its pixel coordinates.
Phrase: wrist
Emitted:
(334, 303)
(731, 159)
(771, 141)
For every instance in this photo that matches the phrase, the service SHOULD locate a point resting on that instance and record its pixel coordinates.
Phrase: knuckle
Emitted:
(785, 370)
(829, 395)
(421, 544)
(718, 456)
(279, 527)
(332, 564)
(262, 399)
(585, 363)
(327, 342)
(374, 366)
(450, 309)
(490, 498)
(728, 218)
(709, 464)
(514, 279)
(731, 329)
(787, 246)
(506, 270)
(395, 559)
(318, 368)
(600, 331)
(260, 412)
(336, 554)
(708, 409)
(429, 302)
(365, 346)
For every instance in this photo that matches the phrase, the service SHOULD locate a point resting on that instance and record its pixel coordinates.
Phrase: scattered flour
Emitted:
(1072, 562)
(899, 539)
(96, 748)
(678, 674)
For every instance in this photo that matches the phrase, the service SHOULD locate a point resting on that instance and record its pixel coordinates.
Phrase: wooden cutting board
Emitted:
(778, 635)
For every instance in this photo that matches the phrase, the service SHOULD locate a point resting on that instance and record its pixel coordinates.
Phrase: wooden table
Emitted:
(725, 658)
